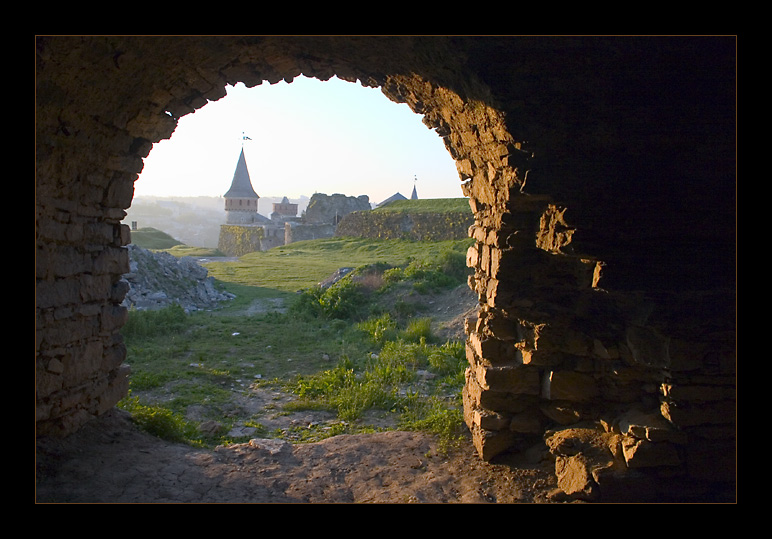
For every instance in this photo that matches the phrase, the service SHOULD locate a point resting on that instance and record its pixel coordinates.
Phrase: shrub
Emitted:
(159, 421)
(453, 264)
(380, 329)
(418, 330)
(343, 300)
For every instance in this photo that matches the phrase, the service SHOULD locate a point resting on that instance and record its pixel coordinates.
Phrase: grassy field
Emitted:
(304, 264)
(348, 351)
(152, 238)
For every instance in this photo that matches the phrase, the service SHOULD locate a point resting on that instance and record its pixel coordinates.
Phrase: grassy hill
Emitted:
(156, 240)
(152, 238)
(428, 205)
(305, 263)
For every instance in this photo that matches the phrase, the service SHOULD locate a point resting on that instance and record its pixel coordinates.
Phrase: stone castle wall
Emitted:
(403, 225)
(298, 231)
(238, 240)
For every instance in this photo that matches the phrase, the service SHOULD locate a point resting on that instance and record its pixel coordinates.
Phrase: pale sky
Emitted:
(307, 136)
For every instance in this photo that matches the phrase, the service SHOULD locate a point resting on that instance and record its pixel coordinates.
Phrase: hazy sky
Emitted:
(307, 136)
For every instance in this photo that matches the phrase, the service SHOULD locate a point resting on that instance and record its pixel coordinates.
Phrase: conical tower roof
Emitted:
(241, 186)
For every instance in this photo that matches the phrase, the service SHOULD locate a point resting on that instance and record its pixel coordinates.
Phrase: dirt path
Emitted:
(110, 461)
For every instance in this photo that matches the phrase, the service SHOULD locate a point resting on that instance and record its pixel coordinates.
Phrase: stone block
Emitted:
(527, 422)
(644, 454)
(488, 420)
(575, 478)
(518, 380)
(647, 347)
(686, 415)
(492, 443)
(698, 393)
(562, 413)
(569, 386)
(650, 426)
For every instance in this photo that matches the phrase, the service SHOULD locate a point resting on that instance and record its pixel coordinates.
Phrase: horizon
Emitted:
(301, 138)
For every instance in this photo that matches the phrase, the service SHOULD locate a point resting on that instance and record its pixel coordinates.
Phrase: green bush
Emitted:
(343, 300)
(379, 329)
(453, 264)
(159, 421)
(418, 330)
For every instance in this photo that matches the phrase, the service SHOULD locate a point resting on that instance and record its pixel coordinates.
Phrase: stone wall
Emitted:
(412, 226)
(294, 231)
(551, 351)
(601, 175)
(238, 240)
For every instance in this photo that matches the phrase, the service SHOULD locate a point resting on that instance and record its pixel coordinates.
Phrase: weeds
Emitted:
(160, 421)
(383, 382)
(343, 300)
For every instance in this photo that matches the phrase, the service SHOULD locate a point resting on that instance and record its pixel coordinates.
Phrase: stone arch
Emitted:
(549, 347)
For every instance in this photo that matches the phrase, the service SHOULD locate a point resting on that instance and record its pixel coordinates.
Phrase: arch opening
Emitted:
(549, 347)
(350, 328)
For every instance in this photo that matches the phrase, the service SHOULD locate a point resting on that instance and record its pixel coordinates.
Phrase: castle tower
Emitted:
(241, 199)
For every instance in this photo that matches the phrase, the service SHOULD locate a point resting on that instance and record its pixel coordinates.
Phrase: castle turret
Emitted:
(284, 210)
(241, 199)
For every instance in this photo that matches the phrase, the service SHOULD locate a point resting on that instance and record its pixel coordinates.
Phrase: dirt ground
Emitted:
(111, 461)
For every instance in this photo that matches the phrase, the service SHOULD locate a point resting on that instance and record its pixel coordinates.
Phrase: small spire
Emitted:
(241, 186)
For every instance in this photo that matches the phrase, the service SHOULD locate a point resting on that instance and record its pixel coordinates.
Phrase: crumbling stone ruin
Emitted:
(322, 215)
(330, 209)
(159, 279)
(600, 173)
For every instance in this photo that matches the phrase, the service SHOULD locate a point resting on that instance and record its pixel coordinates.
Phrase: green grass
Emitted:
(348, 349)
(156, 240)
(427, 205)
(304, 264)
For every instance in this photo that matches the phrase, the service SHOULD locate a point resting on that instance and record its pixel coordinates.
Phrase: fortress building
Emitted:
(241, 199)
(284, 210)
